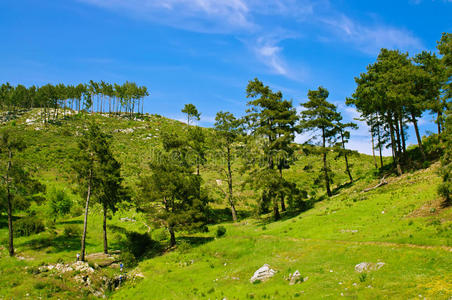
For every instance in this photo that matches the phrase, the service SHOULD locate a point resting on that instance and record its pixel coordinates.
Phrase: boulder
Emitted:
(101, 259)
(366, 266)
(263, 273)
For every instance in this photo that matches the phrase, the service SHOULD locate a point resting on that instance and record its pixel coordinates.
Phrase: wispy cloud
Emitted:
(210, 16)
(248, 20)
(370, 38)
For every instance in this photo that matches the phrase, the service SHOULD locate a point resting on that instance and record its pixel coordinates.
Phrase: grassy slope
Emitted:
(315, 242)
(319, 244)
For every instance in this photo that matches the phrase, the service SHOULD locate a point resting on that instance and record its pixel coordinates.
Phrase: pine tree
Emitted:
(320, 115)
(228, 130)
(17, 187)
(171, 195)
(192, 113)
(272, 119)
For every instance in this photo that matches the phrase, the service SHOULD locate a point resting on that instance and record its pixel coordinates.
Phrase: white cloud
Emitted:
(211, 16)
(370, 39)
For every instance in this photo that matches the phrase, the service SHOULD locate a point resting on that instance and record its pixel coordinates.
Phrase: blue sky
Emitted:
(205, 51)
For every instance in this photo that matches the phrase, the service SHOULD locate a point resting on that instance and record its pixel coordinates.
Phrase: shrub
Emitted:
(221, 230)
(77, 211)
(161, 235)
(59, 202)
(72, 230)
(28, 226)
(128, 259)
(139, 243)
(184, 247)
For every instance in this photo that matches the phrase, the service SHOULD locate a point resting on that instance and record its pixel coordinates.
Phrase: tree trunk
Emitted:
(85, 222)
(283, 205)
(373, 148)
(10, 210)
(402, 134)
(394, 151)
(399, 144)
(347, 168)
(230, 196)
(379, 146)
(438, 121)
(276, 214)
(105, 230)
(172, 237)
(418, 136)
(325, 166)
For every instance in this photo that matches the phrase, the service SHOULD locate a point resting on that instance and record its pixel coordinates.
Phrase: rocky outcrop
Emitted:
(263, 274)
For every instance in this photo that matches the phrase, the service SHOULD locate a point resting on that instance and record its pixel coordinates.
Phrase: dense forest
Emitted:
(257, 149)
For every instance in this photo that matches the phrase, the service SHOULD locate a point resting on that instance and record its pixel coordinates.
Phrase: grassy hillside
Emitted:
(401, 224)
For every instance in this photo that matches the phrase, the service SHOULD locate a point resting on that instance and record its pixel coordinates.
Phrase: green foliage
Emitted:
(128, 259)
(173, 184)
(221, 231)
(27, 226)
(72, 231)
(184, 247)
(320, 115)
(192, 112)
(59, 202)
(138, 244)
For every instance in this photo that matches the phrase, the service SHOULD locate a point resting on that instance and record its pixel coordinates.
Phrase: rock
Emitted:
(295, 278)
(101, 259)
(263, 273)
(82, 267)
(365, 266)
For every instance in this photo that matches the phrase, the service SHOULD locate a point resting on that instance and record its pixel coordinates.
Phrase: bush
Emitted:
(139, 243)
(161, 235)
(59, 202)
(221, 230)
(128, 259)
(28, 226)
(184, 247)
(72, 230)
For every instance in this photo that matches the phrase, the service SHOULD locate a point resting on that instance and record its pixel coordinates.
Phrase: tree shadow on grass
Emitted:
(341, 187)
(70, 222)
(195, 241)
(55, 244)
(223, 215)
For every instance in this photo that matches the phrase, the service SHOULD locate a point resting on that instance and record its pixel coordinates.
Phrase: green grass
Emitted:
(413, 236)
(416, 251)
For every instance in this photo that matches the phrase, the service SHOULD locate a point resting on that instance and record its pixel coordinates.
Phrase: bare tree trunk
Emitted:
(325, 166)
(373, 149)
(393, 145)
(379, 146)
(418, 136)
(172, 236)
(10, 210)
(438, 121)
(347, 167)
(85, 223)
(276, 214)
(402, 134)
(105, 230)
(230, 196)
(283, 204)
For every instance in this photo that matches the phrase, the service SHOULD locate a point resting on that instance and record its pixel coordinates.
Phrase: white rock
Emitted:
(295, 278)
(263, 273)
(365, 266)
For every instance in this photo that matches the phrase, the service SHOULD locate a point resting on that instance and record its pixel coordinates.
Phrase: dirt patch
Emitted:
(431, 208)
